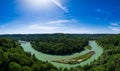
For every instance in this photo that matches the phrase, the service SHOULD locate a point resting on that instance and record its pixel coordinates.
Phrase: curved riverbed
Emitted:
(46, 57)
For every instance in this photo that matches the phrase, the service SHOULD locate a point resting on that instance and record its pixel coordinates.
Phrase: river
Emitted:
(46, 57)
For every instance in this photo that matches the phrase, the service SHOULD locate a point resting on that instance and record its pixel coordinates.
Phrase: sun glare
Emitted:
(41, 5)
(37, 4)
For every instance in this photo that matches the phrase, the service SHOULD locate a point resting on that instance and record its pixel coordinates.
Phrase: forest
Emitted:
(13, 58)
(110, 59)
(59, 45)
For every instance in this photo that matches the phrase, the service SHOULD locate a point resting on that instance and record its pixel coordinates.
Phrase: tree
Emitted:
(13, 66)
(1, 56)
(26, 68)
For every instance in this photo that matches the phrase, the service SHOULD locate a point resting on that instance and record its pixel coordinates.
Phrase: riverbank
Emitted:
(46, 57)
(77, 59)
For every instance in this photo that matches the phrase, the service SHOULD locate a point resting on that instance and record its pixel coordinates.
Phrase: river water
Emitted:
(46, 57)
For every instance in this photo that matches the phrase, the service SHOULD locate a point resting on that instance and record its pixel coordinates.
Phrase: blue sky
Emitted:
(59, 16)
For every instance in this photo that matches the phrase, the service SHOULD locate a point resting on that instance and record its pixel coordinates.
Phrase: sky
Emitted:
(59, 16)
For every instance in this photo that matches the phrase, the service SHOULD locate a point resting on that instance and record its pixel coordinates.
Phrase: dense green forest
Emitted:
(59, 45)
(110, 59)
(13, 58)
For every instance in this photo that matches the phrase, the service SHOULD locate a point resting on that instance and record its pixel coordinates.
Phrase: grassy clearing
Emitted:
(77, 59)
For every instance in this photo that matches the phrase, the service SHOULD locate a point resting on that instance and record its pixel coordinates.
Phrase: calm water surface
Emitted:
(46, 57)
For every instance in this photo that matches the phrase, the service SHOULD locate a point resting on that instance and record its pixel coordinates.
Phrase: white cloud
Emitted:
(52, 25)
(115, 27)
(62, 22)
(55, 26)
(102, 11)
(115, 24)
(42, 27)
(58, 21)
(56, 2)
(105, 13)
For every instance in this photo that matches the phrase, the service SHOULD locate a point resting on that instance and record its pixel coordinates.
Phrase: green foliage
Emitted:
(1, 57)
(89, 47)
(13, 58)
(77, 59)
(26, 68)
(59, 45)
(29, 37)
(13, 66)
(110, 59)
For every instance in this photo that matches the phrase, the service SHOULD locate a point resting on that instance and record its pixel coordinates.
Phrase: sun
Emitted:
(41, 5)
(37, 4)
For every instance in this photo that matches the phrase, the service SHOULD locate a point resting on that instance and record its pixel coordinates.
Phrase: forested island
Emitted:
(13, 57)
(59, 45)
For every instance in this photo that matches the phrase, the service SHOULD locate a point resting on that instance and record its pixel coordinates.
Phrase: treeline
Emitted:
(29, 37)
(13, 58)
(59, 44)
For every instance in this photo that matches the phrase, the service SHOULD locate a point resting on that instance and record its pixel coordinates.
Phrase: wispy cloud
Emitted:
(55, 26)
(102, 11)
(59, 21)
(115, 27)
(115, 24)
(106, 13)
(42, 27)
(56, 2)
(52, 25)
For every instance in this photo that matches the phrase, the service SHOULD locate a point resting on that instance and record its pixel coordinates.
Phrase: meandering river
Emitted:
(46, 57)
